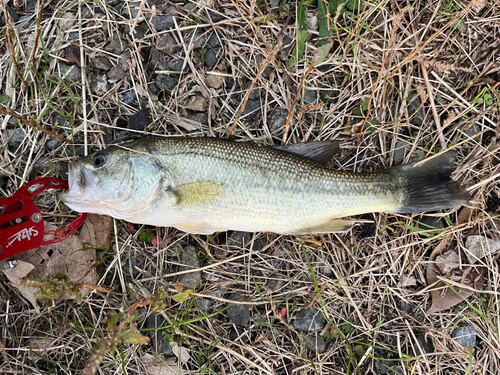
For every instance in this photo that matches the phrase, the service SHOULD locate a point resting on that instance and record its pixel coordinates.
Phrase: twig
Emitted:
(37, 38)
(9, 112)
(290, 113)
(433, 106)
(10, 42)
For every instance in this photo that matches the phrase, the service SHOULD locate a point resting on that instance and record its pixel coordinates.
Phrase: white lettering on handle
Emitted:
(25, 233)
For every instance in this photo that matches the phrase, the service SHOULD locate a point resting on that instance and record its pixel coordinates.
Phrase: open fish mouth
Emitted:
(76, 182)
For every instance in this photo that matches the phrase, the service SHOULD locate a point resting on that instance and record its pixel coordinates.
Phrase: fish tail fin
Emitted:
(428, 185)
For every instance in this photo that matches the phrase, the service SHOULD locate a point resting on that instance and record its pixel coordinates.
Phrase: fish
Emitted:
(207, 185)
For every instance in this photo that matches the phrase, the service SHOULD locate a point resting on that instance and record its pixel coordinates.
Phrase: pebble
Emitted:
(16, 137)
(288, 44)
(255, 94)
(139, 32)
(274, 3)
(383, 367)
(274, 282)
(71, 72)
(465, 336)
(43, 164)
(66, 21)
(175, 65)
(276, 120)
(168, 45)
(154, 89)
(251, 110)
(240, 240)
(162, 23)
(213, 41)
(309, 319)
(158, 341)
(212, 57)
(310, 97)
(400, 151)
(13, 14)
(100, 62)
(122, 60)
(206, 303)
(166, 83)
(131, 9)
(116, 73)
(199, 41)
(201, 117)
(116, 46)
(157, 61)
(129, 97)
(315, 343)
(238, 313)
(419, 117)
(189, 257)
(52, 144)
(215, 81)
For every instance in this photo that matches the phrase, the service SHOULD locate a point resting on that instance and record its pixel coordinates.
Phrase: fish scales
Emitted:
(202, 185)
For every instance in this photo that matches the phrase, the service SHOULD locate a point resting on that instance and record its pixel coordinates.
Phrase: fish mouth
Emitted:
(76, 183)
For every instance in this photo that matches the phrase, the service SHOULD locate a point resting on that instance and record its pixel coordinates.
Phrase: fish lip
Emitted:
(73, 188)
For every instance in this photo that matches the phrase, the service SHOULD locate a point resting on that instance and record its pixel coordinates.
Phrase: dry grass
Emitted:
(383, 57)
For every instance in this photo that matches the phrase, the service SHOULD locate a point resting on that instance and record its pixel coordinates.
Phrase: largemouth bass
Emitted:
(206, 185)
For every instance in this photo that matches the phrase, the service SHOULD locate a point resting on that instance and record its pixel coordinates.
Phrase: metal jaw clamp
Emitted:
(21, 223)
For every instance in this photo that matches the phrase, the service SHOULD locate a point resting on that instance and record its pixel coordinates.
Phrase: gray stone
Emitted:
(255, 94)
(310, 97)
(400, 151)
(419, 117)
(189, 257)
(129, 97)
(240, 240)
(315, 342)
(199, 41)
(16, 137)
(70, 72)
(309, 319)
(43, 164)
(116, 73)
(252, 110)
(288, 44)
(13, 14)
(158, 341)
(274, 3)
(58, 120)
(473, 131)
(117, 46)
(122, 60)
(166, 83)
(168, 45)
(201, 117)
(52, 144)
(238, 313)
(213, 41)
(139, 32)
(212, 57)
(276, 120)
(175, 65)
(157, 61)
(154, 89)
(131, 9)
(100, 62)
(465, 336)
(162, 23)
(206, 303)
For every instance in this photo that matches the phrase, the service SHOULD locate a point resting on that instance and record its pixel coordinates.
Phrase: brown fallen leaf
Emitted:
(16, 275)
(478, 247)
(197, 103)
(443, 297)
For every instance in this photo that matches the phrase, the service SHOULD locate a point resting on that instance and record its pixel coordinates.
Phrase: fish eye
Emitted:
(99, 160)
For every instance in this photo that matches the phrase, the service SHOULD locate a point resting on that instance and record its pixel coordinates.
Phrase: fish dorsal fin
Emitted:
(197, 193)
(330, 226)
(196, 228)
(320, 151)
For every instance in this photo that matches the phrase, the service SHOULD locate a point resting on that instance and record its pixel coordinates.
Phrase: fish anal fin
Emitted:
(197, 193)
(330, 226)
(196, 228)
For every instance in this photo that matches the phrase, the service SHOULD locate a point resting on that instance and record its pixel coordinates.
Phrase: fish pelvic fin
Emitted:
(428, 186)
(197, 193)
(330, 226)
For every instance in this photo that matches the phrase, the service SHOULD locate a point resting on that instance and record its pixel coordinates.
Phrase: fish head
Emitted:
(117, 181)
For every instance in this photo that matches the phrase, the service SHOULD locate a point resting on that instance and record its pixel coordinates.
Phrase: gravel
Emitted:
(166, 83)
(465, 336)
(238, 313)
(158, 341)
(100, 63)
(309, 319)
(16, 137)
(189, 257)
(163, 23)
(315, 342)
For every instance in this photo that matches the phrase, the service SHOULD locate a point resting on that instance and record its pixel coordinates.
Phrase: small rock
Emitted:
(159, 343)
(288, 44)
(100, 63)
(116, 73)
(58, 120)
(310, 97)
(139, 32)
(131, 9)
(80, 151)
(201, 117)
(419, 117)
(205, 303)
(255, 94)
(213, 41)
(212, 57)
(197, 103)
(199, 41)
(43, 164)
(238, 313)
(168, 45)
(400, 150)
(98, 84)
(166, 83)
(252, 110)
(13, 14)
(424, 344)
(274, 282)
(309, 319)
(215, 81)
(52, 144)
(16, 137)
(189, 257)
(315, 343)
(465, 336)
(479, 247)
(154, 89)
(66, 21)
(175, 65)
(162, 23)
(71, 72)
(383, 367)
(276, 120)
(473, 130)
(448, 261)
(274, 3)
(157, 61)
(122, 60)
(129, 97)
(116, 46)
(240, 240)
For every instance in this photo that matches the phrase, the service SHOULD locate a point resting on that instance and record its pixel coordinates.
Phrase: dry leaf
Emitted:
(478, 247)
(197, 103)
(96, 230)
(407, 281)
(180, 352)
(215, 81)
(16, 275)
(444, 297)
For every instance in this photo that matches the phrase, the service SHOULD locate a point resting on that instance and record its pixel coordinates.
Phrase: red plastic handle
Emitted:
(21, 223)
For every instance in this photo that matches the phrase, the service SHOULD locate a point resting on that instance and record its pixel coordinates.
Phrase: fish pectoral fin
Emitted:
(196, 228)
(330, 226)
(197, 193)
